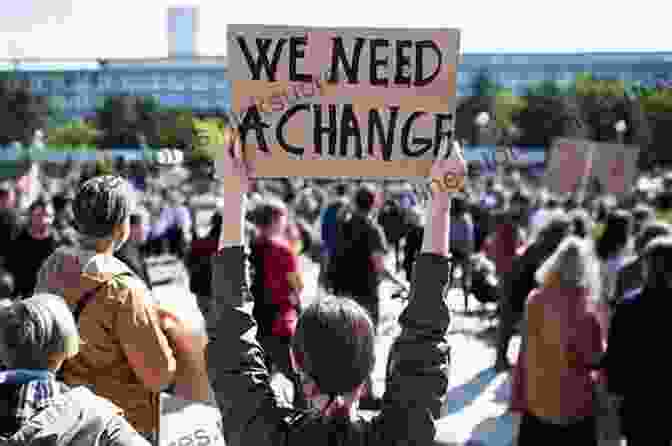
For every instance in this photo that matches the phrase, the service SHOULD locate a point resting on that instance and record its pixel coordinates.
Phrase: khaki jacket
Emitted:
(124, 355)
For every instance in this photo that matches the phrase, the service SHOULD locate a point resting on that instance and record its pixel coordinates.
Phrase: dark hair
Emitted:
(216, 222)
(136, 219)
(365, 197)
(581, 222)
(268, 212)
(342, 189)
(101, 204)
(616, 234)
(41, 202)
(650, 232)
(458, 206)
(658, 258)
(334, 345)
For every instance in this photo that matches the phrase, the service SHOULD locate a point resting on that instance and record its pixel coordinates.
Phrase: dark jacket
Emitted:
(638, 326)
(416, 383)
(76, 417)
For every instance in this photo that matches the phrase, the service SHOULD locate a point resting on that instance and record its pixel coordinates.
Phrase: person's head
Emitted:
(641, 215)
(7, 195)
(582, 224)
(333, 348)
(6, 284)
(555, 229)
(137, 228)
(651, 231)
(41, 216)
(658, 263)
(272, 216)
(459, 206)
(520, 204)
(37, 333)
(102, 208)
(366, 198)
(216, 222)
(616, 234)
(341, 190)
(573, 265)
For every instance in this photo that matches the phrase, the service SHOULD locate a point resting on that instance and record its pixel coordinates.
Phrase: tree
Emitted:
(177, 128)
(605, 102)
(74, 134)
(544, 118)
(657, 106)
(21, 112)
(128, 121)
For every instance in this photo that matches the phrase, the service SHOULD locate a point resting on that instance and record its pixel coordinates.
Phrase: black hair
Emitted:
(365, 198)
(650, 232)
(616, 234)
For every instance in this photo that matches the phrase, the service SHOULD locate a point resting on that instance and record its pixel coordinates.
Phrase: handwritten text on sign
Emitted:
(374, 102)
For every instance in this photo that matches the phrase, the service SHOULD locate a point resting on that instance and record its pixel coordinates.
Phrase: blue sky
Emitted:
(137, 28)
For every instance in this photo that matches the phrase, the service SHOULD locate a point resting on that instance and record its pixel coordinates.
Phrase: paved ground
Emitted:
(475, 413)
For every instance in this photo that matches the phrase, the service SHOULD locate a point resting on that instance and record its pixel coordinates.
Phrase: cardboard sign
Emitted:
(615, 167)
(569, 166)
(342, 102)
(189, 423)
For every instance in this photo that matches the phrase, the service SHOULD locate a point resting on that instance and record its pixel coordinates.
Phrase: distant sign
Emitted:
(615, 167)
(343, 102)
(569, 165)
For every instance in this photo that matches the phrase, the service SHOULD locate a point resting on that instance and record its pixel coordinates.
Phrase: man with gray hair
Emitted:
(36, 335)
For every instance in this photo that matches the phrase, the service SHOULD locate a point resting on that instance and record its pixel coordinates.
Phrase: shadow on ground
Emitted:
(461, 396)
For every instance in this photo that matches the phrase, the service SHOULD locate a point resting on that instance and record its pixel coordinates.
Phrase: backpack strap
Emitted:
(89, 295)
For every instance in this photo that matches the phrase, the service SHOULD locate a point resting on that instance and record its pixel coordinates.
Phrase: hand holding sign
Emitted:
(448, 173)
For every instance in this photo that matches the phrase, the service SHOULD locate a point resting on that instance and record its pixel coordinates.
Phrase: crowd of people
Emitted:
(581, 278)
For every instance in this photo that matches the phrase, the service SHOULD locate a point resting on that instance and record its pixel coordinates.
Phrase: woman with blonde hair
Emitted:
(563, 339)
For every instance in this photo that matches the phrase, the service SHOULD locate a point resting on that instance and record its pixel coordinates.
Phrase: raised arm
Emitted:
(418, 367)
(239, 376)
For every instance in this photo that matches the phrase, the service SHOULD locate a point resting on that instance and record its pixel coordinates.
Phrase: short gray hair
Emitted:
(34, 329)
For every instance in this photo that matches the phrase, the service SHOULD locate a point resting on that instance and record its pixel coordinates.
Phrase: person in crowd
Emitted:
(172, 230)
(64, 220)
(127, 357)
(276, 288)
(10, 221)
(132, 253)
(329, 227)
(613, 248)
(200, 268)
(509, 235)
(333, 348)
(630, 278)
(562, 342)
(32, 247)
(582, 223)
(462, 242)
(641, 216)
(413, 240)
(37, 335)
(637, 328)
(516, 285)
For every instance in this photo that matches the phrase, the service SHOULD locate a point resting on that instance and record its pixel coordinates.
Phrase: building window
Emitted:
(200, 82)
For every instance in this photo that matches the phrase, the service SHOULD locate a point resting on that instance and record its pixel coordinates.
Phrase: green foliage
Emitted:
(73, 135)
(177, 128)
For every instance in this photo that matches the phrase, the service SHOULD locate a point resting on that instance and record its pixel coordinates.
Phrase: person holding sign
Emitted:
(333, 348)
